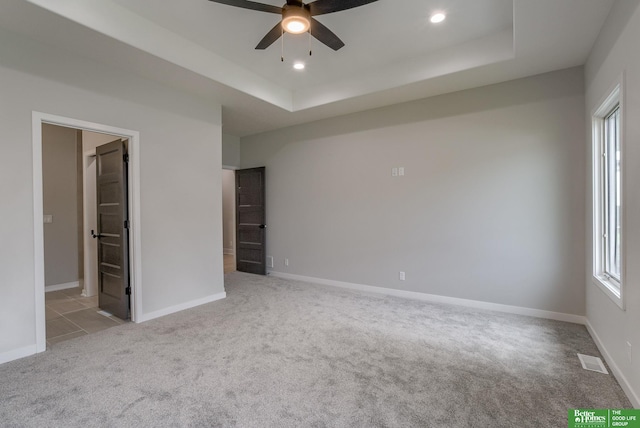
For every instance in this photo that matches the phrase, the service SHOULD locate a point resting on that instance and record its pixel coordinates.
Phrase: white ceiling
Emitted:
(392, 53)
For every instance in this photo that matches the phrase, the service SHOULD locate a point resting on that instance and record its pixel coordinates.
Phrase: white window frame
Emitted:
(612, 287)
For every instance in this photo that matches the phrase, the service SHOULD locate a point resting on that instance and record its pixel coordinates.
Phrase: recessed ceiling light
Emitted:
(438, 17)
(298, 65)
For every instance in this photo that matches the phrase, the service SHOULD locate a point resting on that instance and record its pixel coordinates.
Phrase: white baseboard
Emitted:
(228, 251)
(64, 286)
(180, 307)
(15, 354)
(84, 293)
(622, 380)
(538, 313)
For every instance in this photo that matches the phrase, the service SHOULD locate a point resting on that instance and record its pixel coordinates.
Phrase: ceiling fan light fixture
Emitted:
(296, 20)
(299, 65)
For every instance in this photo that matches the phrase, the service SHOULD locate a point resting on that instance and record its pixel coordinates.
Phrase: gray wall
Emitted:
(491, 207)
(230, 150)
(615, 52)
(60, 199)
(180, 155)
(91, 140)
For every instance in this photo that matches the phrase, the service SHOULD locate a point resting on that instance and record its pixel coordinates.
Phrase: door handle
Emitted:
(93, 235)
(263, 226)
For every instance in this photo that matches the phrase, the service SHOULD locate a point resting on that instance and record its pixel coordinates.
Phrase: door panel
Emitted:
(113, 233)
(249, 235)
(250, 224)
(110, 285)
(252, 214)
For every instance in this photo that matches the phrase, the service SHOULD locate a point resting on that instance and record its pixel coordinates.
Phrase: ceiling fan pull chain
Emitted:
(282, 47)
(309, 41)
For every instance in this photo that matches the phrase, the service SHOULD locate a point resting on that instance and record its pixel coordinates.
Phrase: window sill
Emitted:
(611, 289)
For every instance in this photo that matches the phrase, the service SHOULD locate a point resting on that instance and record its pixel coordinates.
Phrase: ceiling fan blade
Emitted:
(251, 5)
(324, 35)
(272, 36)
(321, 7)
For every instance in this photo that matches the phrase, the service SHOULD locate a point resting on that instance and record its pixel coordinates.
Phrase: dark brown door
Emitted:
(113, 228)
(250, 224)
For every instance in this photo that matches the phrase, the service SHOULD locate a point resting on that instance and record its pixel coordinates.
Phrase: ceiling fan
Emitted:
(297, 18)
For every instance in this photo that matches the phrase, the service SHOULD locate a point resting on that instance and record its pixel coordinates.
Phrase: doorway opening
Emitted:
(50, 273)
(73, 304)
(243, 220)
(251, 221)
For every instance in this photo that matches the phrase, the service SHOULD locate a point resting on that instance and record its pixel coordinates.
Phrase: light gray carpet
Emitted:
(279, 353)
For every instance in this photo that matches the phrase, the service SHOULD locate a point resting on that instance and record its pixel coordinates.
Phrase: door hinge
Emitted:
(126, 224)
(128, 291)
(125, 157)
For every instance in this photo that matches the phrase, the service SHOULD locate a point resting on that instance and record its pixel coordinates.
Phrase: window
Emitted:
(611, 197)
(608, 254)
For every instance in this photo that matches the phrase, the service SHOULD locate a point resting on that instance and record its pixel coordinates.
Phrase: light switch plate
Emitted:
(47, 218)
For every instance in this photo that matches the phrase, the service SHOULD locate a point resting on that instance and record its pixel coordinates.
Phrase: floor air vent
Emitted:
(592, 363)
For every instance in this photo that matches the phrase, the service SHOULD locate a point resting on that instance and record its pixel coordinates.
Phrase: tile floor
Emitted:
(70, 315)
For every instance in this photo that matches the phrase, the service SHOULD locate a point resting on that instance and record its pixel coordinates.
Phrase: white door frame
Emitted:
(135, 239)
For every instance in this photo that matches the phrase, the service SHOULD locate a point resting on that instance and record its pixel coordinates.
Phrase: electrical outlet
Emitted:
(269, 261)
(401, 171)
(286, 262)
(394, 172)
(630, 352)
(402, 277)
